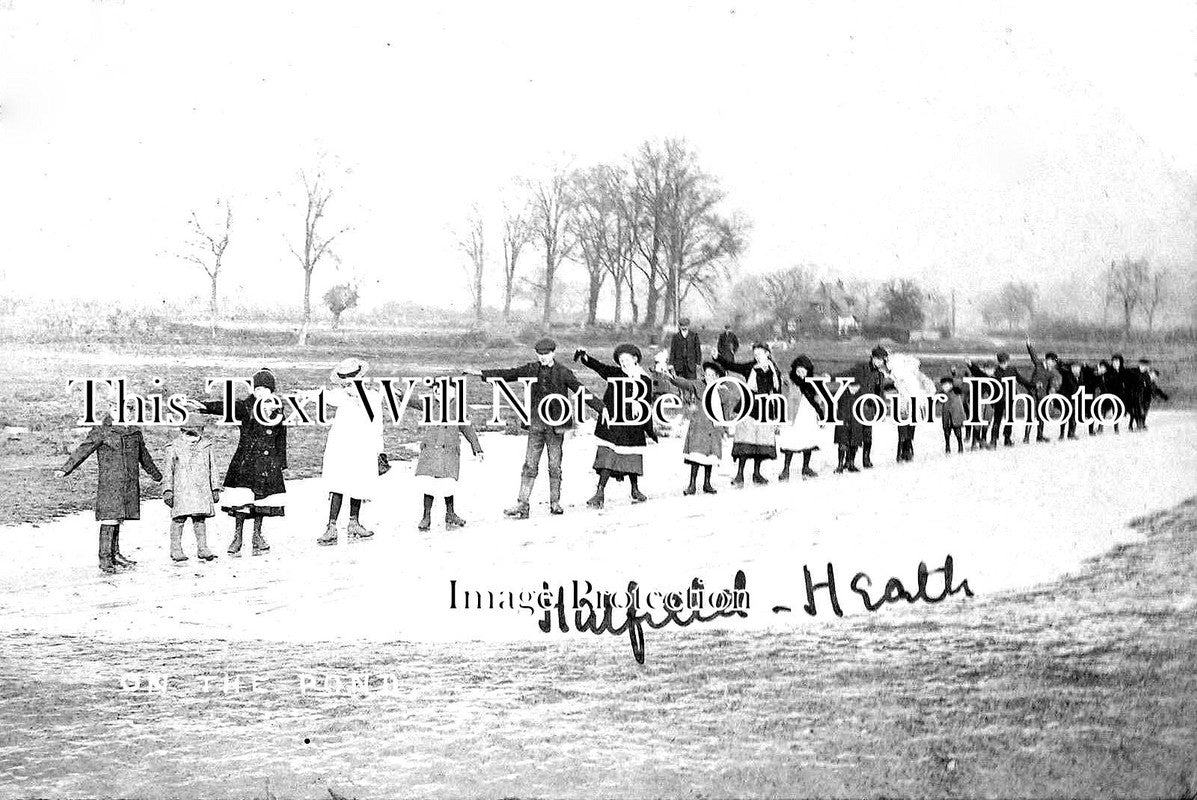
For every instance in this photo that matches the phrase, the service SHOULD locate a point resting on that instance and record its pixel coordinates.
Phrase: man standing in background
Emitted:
(685, 351)
(728, 344)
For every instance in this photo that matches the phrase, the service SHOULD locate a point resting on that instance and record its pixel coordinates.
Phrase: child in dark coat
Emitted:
(849, 435)
(257, 463)
(120, 454)
(952, 414)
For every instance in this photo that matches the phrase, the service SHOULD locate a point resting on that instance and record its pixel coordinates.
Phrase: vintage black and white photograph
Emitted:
(527, 399)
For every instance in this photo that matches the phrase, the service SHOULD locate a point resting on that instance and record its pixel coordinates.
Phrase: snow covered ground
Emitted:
(1012, 518)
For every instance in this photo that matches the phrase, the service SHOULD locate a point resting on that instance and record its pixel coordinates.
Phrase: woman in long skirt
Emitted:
(802, 433)
(351, 453)
(703, 447)
(620, 451)
(756, 435)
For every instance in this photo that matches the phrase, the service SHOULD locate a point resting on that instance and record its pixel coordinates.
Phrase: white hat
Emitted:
(349, 369)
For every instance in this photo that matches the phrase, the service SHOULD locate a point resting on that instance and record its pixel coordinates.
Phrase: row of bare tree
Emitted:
(209, 240)
(1131, 286)
(652, 227)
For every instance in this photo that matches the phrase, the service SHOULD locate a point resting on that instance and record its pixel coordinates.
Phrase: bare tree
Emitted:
(1013, 303)
(590, 224)
(315, 247)
(1153, 296)
(698, 240)
(473, 244)
(552, 204)
(1127, 287)
(516, 234)
(207, 250)
(784, 294)
(648, 201)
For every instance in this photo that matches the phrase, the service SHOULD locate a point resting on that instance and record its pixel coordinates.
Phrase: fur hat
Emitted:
(545, 345)
(264, 377)
(684, 322)
(714, 366)
(627, 348)
(880, 352)
(1051, 356)
(349, 369)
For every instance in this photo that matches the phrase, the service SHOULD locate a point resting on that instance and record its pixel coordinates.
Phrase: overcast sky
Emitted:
(961, 143)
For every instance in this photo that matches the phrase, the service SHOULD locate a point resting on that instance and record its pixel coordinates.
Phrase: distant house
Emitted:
(835, 308)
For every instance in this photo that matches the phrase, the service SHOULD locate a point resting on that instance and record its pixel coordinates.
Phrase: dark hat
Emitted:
(1118, 356)
(986, 364)
(801, 361)
(1103, 363)
(762, 345)
(714, 367)
(684, 322)
(265, 377)
(626, 348)
(1003, 356)
(947, 379)
(1051, 356)
(1145, 362)
(545, 345)
(880, 352)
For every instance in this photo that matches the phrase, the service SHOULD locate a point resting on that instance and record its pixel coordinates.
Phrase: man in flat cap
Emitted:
(552, 377)
(685, 352)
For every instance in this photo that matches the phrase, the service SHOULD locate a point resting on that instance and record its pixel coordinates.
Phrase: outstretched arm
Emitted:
(511, 373)
(601, 368)
(81, 453)
(739, 367)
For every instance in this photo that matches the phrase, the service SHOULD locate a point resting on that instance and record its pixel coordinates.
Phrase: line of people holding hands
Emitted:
(252, 488)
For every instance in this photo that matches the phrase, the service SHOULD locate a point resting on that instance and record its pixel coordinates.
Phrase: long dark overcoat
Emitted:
(261, 454)
(121, 454)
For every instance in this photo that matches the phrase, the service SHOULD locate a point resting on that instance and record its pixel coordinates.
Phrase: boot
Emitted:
(637, 495)
(425, 523)
(759, 479)
(598, 499)
(176, 542)
(329, 537)
(707, 488)
(555, 495)
(118, 559)
(807, 472)
(357, 531)
(520, 509)
(259, 541)
(843, 460)
(235, 545)
(453, 522)
(850, 460)
(106, 564)
(689, 490)
(201, 542)
(866, 459)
